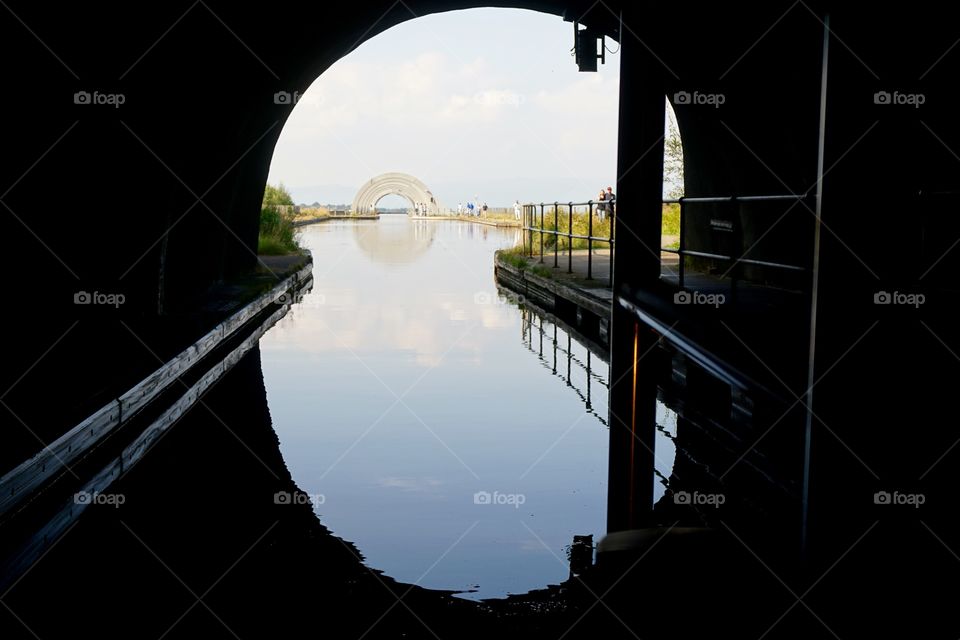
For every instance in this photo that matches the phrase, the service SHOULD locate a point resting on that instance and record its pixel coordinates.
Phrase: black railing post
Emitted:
(612, 214)
(523, 224)
(590, 243)
(737, 267)
(570, 241)
(683, 242)
(541, 233)
(556, 236)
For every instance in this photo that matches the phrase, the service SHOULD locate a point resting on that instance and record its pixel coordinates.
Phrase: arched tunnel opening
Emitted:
(406, 311)
(394, 204)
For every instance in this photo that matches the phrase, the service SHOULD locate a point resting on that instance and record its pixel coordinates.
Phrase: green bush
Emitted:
(277, 233)
(670, 226)
(276, 195)
(671, 220)
(516, 257)
(581, 227)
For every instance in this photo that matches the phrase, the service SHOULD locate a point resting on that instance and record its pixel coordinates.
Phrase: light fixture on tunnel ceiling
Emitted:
(585, 45)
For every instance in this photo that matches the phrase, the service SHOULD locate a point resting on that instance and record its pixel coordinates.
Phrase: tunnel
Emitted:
(158, 197)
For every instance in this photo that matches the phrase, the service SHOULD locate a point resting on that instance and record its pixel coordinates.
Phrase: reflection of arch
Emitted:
(394, 239)
(400, 184)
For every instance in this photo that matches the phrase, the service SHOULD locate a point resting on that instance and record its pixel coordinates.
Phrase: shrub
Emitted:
(277, 233)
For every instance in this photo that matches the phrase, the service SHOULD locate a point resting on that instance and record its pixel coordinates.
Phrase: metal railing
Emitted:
(527, 330)
(731, 201)
(602, 209)
(537, 216)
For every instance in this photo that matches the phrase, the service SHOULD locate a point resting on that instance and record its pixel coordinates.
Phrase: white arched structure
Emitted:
(400, 184)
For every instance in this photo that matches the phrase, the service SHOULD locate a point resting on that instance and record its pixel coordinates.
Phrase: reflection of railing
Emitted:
(731, 201)
(529, 327)
(603, 209)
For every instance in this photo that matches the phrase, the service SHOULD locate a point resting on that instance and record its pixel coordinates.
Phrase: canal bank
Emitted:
(318, 219)
(43, 496)
(581, 303)
(490, 222)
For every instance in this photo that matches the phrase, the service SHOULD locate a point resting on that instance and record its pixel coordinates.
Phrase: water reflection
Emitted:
(393, 243)
(582, 371)
(664, 450)
(400, 393)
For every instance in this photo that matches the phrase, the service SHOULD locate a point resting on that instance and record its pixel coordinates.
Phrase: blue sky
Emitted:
(483, 101)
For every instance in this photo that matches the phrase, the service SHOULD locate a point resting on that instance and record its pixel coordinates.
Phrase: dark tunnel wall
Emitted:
(91, 190)
(199, 120)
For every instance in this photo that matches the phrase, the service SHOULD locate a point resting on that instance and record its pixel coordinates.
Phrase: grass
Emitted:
(581, 227)
(542, 271)
(309, 213)
(670, 226)
(277, 233)
(671, 220)
(515, 257)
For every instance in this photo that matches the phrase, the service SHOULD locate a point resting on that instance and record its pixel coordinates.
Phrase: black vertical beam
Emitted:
(643, 87)
(683, 243)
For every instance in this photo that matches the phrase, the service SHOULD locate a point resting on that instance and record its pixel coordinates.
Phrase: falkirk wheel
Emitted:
(400, 184)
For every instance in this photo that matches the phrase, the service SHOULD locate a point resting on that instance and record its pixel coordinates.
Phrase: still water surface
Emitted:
(415, 406)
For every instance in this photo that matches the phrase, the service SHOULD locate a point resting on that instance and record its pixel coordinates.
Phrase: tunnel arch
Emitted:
(394, 183)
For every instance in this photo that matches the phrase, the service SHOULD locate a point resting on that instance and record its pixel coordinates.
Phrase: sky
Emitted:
(484, 102)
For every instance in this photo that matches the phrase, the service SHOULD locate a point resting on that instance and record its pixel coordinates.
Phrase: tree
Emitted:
(276, 195)
(672, 159)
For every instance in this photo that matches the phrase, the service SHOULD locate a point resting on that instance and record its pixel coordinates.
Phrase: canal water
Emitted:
(456, 439)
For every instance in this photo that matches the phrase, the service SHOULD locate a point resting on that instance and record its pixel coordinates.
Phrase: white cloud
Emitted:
(456, 97)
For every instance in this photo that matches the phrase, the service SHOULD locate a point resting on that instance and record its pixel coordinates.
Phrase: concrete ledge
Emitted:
(55, 458)
(547, 290)
(513, 224)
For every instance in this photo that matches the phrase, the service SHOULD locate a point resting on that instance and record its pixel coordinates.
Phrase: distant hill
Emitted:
(317, 205)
